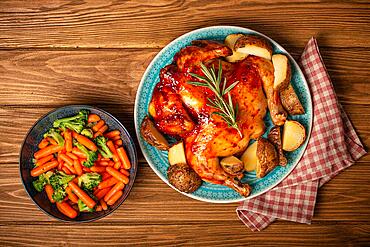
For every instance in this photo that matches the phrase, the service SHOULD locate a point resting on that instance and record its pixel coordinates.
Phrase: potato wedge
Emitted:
(231, 39)
(151, 109)
(282, 71)
(274, 137)
(267, 157)
(290, 101)
(176, 154)
(232, 165)
(253, 45)
(152, 136)
(294, 134)
(230, 42)
(249, 157)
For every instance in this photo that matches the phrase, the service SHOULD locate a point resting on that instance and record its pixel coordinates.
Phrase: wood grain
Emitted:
(54, 53)
(35, 77)
(114, 24)
(183, 234)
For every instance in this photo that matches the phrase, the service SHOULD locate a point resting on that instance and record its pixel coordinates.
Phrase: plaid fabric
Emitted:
(333, 146)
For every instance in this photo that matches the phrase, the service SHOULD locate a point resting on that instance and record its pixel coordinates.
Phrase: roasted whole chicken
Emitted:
(181, 110)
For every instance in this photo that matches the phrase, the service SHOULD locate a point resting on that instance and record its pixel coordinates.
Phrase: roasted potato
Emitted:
(176, 154)
(282, 71)
(290, 101)
(253, 45)
(152, 136)
(230, 42)
(232, 165)
(183, 178)
(274, 137)
(294, 134)
(249, 157)
(267, 157)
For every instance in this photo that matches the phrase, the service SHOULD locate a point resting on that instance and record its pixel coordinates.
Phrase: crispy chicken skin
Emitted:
(180, 109)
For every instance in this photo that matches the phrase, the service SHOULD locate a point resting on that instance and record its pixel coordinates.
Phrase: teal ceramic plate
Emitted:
(158, 159)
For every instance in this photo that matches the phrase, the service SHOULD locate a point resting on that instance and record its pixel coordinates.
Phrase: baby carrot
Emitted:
(117, 187)
(111, 163)
(105, 175)
(117, 165)
(47, 151)
(98, 169)
(123, 157)
(66, 159)
(49, 192)
(68, 140)
(78, 167)
(93, 118)
(71, 195)
(86, 169)
(119, 176)
(78, 153)
(66, 209)
(44, 160)
(85, 141)
(115, 138)
(118, 142)
(82, 195)
(115, 197)
(72, 156)
(60, 165)
(101, 193)
(44, 142)
(98, 125)
(51, 141)
(98, 208)
(125, 172)
(44, 168)
(103, 129)
(66, 171)
(112, 148)
(103, 163)
(97, 134)
(70, 168)
(103, 204)
(112, 134)
(107, 183)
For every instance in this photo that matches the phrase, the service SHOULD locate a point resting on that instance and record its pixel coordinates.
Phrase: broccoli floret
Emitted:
(83, 207)
(91, 155)
(42, 180)
(87, 132)
(59, 181)
(75, 123)
(55, 134)
(59, 194)
(89, 181)
(101, 141)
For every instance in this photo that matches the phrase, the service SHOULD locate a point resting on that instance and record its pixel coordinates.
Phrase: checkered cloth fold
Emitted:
(333, 146)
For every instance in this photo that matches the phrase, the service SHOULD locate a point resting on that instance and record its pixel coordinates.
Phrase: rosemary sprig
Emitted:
(225, 108)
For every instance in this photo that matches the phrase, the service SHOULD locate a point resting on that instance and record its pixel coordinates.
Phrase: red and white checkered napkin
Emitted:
(333, 146)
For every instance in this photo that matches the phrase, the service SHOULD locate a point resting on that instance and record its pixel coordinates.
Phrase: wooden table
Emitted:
(77, 52)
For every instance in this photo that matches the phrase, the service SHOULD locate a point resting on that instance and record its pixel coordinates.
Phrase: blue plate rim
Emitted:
(131, 184)
(237, 29)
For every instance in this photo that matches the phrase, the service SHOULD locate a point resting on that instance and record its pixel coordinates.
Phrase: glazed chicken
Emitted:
(181, 110)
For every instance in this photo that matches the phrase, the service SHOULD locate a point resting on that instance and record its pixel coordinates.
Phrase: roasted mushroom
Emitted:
(183, 178)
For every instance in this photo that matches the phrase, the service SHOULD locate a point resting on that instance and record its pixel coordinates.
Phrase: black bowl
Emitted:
(29, 147)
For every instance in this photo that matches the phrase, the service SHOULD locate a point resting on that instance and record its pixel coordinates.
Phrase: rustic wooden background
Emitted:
(55, 53)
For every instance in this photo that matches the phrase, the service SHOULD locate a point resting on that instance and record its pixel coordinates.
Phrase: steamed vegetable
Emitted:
(70, 165)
